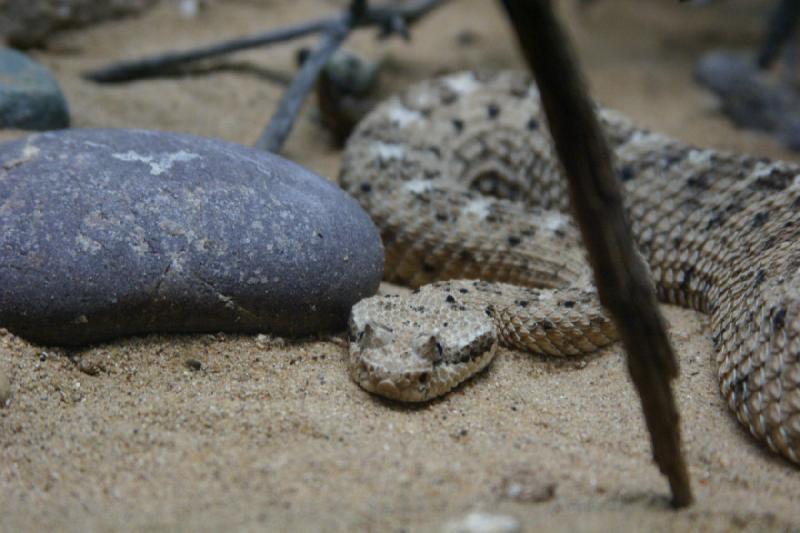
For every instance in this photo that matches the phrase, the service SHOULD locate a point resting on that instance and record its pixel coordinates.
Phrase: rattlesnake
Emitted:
(459, 175)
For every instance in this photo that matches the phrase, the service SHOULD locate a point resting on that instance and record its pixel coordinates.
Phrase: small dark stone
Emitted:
(107, 233)
(30, 98)
(193, 364)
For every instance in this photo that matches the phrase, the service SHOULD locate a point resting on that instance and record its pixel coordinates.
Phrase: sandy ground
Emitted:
(272, 434)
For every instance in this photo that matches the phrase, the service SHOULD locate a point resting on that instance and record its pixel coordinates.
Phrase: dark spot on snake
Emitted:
(428, 268)
(439, 349)
(796, 203)
(626, 173)
(450, 299)
(558, 232)
(465, 255)
(532, 124)
(528, 232)
(671, 159)
(760, 219)
(522, 303)
(489, 310)
(760, 277)
(441, 217)
(463, 290)
(714, 220)
(701, 182)
(423, 378)
(435, 151)
(779, 319)
(687, 278)
(366, 187)
(569, 304)
(415, 291)
(492, 111)
(547, 325)
(776, 181)
(458, 125)
(768, 243)
(513, 241)
(449, 97)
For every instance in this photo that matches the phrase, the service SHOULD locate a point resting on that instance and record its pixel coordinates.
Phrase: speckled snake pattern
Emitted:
(459, 175)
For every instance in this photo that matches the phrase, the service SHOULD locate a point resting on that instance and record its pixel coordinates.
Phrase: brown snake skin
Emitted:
(459, 175)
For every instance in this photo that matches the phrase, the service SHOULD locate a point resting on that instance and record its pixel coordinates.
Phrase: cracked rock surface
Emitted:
(108, 233)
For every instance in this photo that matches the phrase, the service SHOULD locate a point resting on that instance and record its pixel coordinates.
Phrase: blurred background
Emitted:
(639, 58)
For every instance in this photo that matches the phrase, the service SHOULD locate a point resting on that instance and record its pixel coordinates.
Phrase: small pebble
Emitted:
(482, 522)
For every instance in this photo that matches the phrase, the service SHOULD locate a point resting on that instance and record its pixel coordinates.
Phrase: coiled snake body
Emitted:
(459, 175)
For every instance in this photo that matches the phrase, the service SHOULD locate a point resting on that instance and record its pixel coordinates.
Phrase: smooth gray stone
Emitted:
(106, 233)
(30, 98)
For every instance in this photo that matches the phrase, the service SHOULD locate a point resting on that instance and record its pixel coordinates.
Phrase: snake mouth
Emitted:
(419, 385)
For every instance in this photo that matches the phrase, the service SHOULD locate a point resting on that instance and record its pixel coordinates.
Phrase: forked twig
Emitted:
(390, 19)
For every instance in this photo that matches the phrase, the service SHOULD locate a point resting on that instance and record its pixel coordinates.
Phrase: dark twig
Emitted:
(622, 280)
(283, 119)
(390, 19)
(782, 25)
(158, 64)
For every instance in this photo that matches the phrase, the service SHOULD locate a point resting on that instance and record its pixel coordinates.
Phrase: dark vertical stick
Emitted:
(622, 280)
(282, 121)
(782, 24)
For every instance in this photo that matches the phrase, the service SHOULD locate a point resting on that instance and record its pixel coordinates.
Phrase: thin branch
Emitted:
(390, 20)
(155, 65)
(782, 24)
(623, 284)
(282, 121)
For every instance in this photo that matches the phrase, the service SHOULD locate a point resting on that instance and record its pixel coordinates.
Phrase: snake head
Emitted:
(417, 347)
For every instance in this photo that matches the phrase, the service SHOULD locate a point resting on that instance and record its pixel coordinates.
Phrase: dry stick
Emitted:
(782, 24)
(623, 283)
(391, 19)
(154, 65)
(282, 121)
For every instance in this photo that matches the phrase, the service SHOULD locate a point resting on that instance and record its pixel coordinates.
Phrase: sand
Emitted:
(224, 432)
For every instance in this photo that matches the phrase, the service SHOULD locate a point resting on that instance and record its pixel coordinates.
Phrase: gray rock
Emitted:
(26, 23)
(30, 98)
(105, 233)
(752, 98)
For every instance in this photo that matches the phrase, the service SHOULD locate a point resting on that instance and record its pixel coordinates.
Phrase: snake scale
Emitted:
(459, 175)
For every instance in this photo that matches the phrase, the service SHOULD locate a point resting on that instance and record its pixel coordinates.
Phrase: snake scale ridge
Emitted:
(459, 175)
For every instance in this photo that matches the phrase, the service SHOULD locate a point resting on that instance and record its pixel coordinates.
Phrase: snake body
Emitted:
(459, 175)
